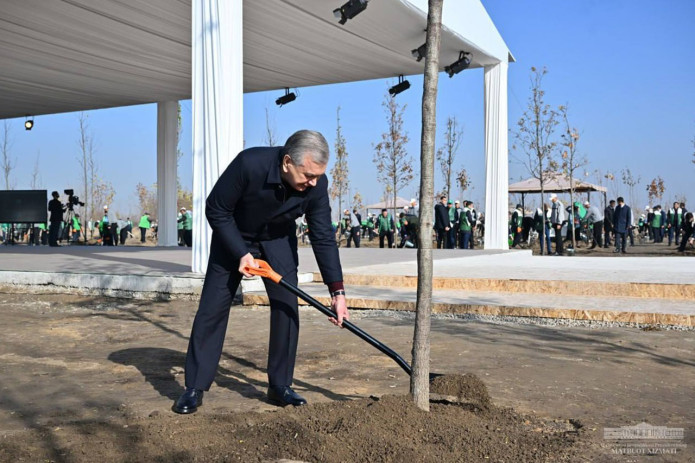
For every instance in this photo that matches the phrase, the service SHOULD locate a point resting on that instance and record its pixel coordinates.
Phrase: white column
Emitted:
(167, 141)
(496, 157)
(217, 78)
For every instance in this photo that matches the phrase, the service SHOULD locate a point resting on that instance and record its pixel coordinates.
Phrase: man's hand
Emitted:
(339, 306)
(247, 261)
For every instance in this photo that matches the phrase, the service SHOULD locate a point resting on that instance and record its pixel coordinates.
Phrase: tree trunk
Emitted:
(574, 214)
(540, 181)
(419, 381)
(395, 216)
(543, 218)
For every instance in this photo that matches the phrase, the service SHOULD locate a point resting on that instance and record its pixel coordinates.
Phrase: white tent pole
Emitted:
(217, 106)
(496, 157)
(167, 112)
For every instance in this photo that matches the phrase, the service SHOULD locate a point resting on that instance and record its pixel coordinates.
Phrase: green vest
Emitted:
(75, 224)
(144, 222)
(452, 214)
(187, 221)
(179, 221)
(104, 223)
(519, 219)
(384, 223)
(42, 226)
(656, 221)
(464, 224)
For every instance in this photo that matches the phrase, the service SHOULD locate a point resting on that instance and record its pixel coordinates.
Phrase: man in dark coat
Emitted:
(608, 223)
(252, 211)
(517, 224)
(55, 207)
(622, 221)
(441, 222)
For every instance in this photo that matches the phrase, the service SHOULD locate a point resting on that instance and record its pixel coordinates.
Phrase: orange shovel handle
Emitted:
(264, 270)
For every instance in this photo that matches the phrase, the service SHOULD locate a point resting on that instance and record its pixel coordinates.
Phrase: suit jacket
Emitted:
(441, 217)
(622, 218)
(251, 208)
(608, 213)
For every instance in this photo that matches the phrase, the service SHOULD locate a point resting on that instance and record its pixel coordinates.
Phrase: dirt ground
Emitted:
(90, 379)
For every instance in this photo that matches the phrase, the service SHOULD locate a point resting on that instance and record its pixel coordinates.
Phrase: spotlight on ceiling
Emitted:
(29, 122)
(401, 86)
(459, 65)
(419, 52)
(351, 9)
(286, 98)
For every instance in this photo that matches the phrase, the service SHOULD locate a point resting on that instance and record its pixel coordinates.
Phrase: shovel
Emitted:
(264, 270)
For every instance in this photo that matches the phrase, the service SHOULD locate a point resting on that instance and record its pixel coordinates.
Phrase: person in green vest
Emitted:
(187, 227)
(144, 225)
(104, 229)
(657, 225)
(370, 227)
(179, 226)
(385, 227)
(674, 222)
(76, 229)
(465, 226)
(517, 225)
(44, 233)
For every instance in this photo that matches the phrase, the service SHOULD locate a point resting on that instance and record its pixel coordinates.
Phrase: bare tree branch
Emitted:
(7, 164)
(534, 136)
(340, 184)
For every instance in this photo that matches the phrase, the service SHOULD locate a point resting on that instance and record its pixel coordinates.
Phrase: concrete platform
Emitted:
(654, 290)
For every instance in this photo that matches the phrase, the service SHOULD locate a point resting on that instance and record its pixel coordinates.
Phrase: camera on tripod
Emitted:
(72, 199)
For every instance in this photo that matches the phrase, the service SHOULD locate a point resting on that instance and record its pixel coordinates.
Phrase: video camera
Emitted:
(72, 199)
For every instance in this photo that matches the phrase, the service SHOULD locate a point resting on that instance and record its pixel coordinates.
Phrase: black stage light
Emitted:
(462, 63)
(286, 98)
(29, 123)
(419, 52)
(351, 9)
(401, 86)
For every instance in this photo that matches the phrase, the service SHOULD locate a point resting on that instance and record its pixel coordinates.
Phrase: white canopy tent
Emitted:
(400, 204)
(72, 55)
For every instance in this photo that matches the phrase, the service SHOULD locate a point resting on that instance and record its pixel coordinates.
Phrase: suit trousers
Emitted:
(53, 232)
(598, 229)
(441, 238)
(210, 324)
(558, 239)
(620, 241)
(388, 236)
(354, 236)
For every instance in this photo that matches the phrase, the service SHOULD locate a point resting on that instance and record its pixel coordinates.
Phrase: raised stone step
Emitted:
(542, 304)
(532, 286)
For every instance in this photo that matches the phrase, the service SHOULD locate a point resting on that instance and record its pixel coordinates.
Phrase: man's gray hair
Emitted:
(303, 142)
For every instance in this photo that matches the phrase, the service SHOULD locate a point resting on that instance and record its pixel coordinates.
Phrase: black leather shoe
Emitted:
(284, 395)
(189, 401)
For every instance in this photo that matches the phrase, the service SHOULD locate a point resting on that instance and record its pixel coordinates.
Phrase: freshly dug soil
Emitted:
(386, 429)
(465, 388)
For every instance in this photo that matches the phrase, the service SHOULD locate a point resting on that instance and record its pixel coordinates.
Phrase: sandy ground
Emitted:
(70, 365)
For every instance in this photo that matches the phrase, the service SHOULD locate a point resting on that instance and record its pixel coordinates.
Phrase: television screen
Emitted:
(23, 206)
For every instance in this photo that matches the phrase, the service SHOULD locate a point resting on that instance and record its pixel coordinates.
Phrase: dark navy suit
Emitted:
(251, 210)
(622, 220)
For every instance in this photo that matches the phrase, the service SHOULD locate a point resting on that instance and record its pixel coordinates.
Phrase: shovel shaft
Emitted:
(349, 326)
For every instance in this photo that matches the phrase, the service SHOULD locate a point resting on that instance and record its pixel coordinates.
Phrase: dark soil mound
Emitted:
(465, 388)
(387, 429)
